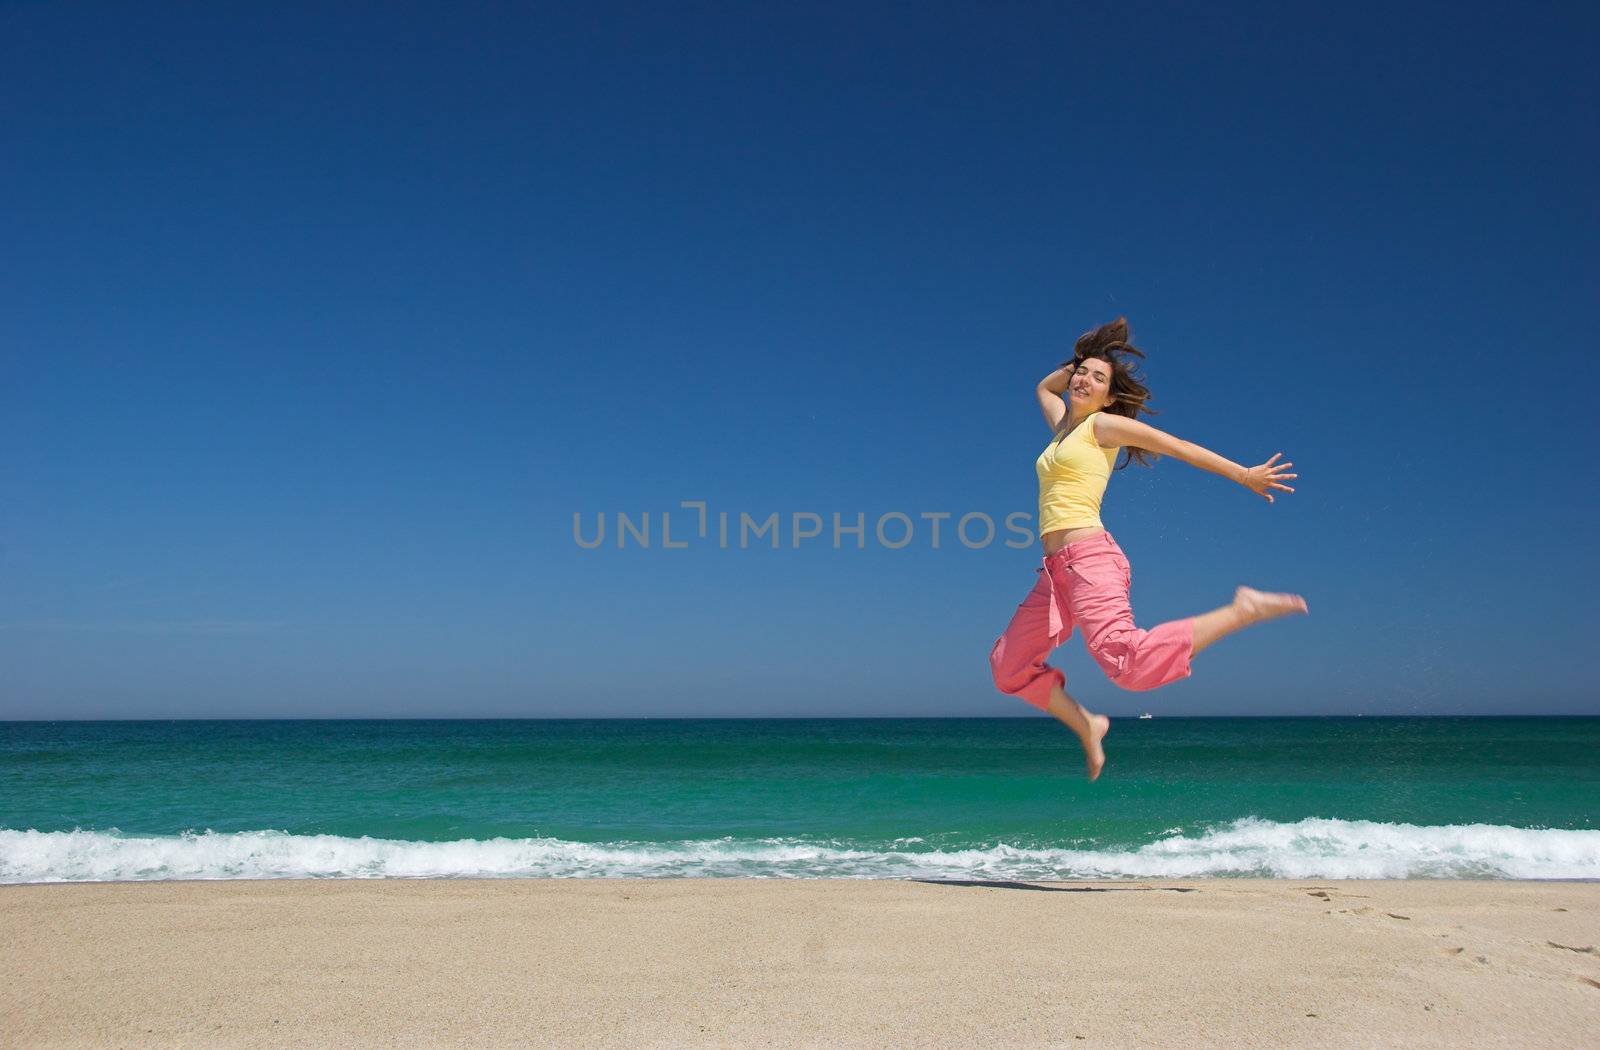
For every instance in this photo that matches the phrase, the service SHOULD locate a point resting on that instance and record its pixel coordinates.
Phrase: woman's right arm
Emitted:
(1050, 389)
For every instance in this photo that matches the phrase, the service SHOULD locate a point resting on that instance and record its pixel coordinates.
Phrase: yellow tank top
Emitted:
(1073, 472)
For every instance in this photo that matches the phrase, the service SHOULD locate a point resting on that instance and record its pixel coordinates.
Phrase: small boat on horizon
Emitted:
(1147, 714)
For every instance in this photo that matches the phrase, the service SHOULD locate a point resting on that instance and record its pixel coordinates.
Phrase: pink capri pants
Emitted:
(1085, 585)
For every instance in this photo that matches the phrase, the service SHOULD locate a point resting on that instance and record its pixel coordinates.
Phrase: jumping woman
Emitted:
(1091, 404)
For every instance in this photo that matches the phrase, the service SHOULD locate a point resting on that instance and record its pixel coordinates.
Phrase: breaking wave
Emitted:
(1249, 847)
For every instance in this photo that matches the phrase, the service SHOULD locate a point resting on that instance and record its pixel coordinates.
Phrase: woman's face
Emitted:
(1090, 389)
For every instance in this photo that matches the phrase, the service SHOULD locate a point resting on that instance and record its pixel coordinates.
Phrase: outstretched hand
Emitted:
(1269, 475)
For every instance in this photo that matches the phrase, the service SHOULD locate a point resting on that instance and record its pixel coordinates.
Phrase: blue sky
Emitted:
(317, 328)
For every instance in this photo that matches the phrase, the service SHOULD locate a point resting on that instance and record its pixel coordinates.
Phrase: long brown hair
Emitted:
(1109, 343)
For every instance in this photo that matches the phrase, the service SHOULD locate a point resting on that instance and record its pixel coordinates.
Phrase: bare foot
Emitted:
(1258, 606)
(1099, 726)
(1087, 726)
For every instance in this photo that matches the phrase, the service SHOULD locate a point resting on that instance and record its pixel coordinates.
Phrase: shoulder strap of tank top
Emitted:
(1089, 432)
(1063, 435)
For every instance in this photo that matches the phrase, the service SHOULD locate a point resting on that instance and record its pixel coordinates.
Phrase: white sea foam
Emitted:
(1305, 849)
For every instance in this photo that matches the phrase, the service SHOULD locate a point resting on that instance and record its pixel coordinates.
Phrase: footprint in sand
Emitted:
(1392, 915)
(1587, 949)
(1324, 894)
(1452, 951)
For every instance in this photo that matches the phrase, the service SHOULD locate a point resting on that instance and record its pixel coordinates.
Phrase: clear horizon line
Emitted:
(756, 718)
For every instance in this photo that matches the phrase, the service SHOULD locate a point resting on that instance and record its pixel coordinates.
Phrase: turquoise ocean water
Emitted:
(998, 798)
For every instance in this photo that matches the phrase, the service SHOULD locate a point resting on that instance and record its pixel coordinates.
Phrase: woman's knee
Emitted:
(1148, 660)
(1010, 674)
(1116, 651)
(999, 670)
(1124, 679)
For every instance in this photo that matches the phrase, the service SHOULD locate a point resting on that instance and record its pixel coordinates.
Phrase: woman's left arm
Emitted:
(1117, 431)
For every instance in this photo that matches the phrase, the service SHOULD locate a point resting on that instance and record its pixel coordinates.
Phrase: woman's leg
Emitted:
(1017, 658)
(1139, 659)
(1089, 727)
(1248, 607)
(1017, 661)
(1131, 656)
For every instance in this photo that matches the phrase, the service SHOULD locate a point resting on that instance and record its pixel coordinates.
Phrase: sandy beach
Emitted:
(738, 962)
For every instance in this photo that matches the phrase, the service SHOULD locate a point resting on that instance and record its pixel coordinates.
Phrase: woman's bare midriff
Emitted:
(1054, 541)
